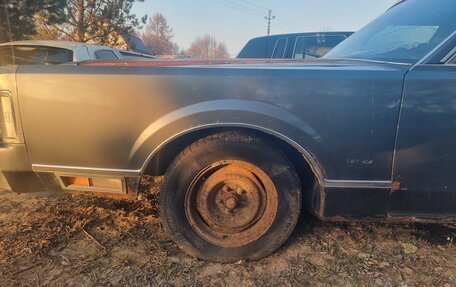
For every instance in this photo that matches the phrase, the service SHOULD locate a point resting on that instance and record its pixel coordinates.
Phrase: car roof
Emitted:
(70, 45)
(51, 43)
(345, 33)
(395, 4)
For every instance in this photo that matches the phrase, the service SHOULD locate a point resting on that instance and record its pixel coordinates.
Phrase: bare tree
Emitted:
(99, 21)
(158, 36)
(207, 47)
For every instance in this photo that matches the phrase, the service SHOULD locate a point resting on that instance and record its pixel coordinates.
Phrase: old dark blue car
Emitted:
(367, 132)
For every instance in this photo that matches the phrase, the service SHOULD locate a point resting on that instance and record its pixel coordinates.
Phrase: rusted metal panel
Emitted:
(395, 186)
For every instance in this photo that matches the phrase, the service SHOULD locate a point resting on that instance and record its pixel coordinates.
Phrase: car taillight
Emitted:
(7, 121)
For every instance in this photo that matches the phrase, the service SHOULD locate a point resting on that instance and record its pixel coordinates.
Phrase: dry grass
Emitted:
(73, 240)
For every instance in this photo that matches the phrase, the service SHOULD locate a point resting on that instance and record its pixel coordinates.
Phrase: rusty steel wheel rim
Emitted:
(231, 203)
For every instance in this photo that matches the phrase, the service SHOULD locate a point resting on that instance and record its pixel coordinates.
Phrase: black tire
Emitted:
(185, 195)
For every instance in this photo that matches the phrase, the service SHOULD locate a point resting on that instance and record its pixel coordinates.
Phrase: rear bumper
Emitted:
(16, 172)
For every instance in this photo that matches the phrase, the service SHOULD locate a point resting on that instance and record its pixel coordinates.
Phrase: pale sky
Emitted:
(236, 21)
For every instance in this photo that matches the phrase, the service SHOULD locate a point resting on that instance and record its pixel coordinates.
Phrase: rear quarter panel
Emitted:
(114, 117)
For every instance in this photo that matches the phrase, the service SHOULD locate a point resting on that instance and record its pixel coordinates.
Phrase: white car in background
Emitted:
(32, 52)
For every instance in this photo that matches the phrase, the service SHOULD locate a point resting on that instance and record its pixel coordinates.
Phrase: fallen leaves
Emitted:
(55, 238)
(409, 248)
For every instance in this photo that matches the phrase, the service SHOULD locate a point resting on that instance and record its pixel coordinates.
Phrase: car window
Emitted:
(34, 55)
(311, 47)
(105, 55)
(452, 56)
(405, 33)
(280, 47)
(453, 61)
(129, 55)
(6, 56)
(449, 57)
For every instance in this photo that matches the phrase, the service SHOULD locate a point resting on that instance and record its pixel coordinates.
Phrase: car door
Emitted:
(425, 159)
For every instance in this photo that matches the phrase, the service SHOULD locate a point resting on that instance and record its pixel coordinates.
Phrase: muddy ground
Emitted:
(72, 240)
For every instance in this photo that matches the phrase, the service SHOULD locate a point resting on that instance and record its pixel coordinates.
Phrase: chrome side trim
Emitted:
(85, 170)
(368, 184)
(326, 183)
(428, 55)
(370, 61)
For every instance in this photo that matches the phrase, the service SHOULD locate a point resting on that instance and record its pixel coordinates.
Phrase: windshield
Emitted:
(404, 34)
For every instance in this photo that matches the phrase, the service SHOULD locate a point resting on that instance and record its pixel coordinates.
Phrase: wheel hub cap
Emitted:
(231, 203)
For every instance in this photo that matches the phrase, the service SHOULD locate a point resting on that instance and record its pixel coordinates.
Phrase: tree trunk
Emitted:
(80, 25)
(5, 33)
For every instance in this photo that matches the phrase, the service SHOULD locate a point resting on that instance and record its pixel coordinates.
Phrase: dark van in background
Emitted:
(293, 46)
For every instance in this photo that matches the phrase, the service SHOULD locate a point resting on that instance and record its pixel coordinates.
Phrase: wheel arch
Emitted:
(173, 131)
(158, 161)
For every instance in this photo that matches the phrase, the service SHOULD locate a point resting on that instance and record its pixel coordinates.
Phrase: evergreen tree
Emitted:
(18, 17)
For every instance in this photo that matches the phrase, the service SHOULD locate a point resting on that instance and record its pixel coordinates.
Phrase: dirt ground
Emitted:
(74, 240)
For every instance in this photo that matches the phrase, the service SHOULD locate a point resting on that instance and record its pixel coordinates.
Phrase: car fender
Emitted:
(254, 115)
